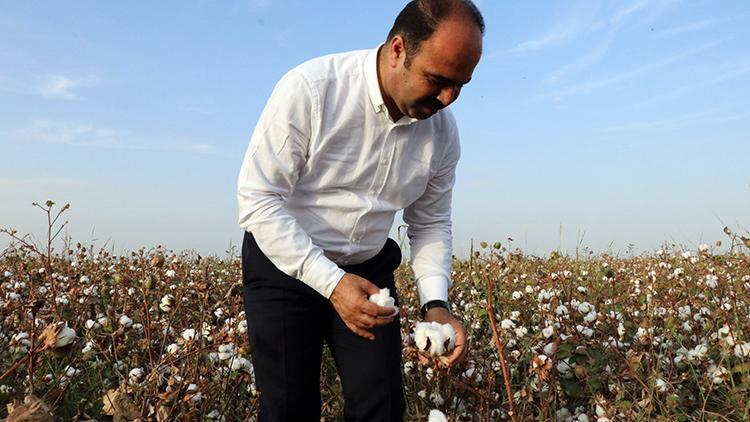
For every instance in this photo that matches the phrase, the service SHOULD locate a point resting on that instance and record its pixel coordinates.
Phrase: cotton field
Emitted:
(157, 335)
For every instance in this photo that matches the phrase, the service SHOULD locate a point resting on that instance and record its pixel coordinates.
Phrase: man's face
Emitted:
(438, 71)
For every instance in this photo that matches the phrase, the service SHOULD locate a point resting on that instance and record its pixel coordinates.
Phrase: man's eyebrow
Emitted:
(448, 81)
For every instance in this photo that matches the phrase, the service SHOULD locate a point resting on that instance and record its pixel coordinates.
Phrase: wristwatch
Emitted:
(437, 303)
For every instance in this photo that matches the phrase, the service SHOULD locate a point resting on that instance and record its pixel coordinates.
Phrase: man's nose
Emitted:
(448, 94)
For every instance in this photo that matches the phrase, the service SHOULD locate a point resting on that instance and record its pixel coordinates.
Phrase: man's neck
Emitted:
(390, 105)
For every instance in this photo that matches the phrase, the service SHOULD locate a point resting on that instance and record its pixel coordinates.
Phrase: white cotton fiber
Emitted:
(435, 338)
(384, 299)
(436, 416)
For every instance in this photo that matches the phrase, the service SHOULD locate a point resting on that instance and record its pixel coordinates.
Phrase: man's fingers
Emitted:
(371, 289)
(361, 332)
(381, 321)
(456, 355)
(374, 310)
(461, 348)
(366, 321)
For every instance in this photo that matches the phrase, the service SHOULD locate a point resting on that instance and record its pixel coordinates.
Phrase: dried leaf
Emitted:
(48, 338)
(162, 414)
(157, 261)
(33, 410)
(118, 404)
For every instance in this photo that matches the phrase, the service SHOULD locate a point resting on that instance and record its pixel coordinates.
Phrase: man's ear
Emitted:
(396, 51)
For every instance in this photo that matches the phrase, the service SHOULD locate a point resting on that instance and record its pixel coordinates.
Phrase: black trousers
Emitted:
(288, 322)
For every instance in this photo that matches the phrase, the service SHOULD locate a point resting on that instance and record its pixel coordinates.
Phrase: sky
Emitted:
(606, 125)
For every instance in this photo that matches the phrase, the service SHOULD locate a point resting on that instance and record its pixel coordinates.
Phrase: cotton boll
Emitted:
(585, 307)
(434, 338)
(450, 333)
(190, 334)
(547, 332)
(125, 321)
(92, 325)
(384, 299)
(437, 347)
(167, 301)
(226, 351)
(241, 364)
(65, 336)
(590, 317)
(89, 350)
(135, 375)
(436, 416)
(742, 350)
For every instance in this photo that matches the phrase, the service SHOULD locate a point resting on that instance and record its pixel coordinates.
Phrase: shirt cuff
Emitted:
(432, 288)
(324, 276)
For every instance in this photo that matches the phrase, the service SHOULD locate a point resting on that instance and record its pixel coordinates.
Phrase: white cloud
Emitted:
(703, 117)
(730, 71)
(626, 12)
(92, 136)
(76, 134)
(557, 35)
(62, 87)
(612, 26)
(689, 27)
(59, 87)
(593, 85)
(679, 121)
(597, 52)
(569, 28)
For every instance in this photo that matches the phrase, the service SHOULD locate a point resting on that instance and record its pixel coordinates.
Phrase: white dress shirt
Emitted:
(327, 169)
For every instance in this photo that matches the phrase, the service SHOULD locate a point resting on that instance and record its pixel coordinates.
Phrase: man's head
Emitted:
(430, 53)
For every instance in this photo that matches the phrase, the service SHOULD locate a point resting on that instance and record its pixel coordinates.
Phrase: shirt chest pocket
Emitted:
(409, 182)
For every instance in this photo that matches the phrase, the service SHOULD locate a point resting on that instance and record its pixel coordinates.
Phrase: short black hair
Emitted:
(420, 18)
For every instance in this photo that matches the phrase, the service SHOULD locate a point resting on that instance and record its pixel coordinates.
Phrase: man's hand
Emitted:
(349, 298)
(442, 316)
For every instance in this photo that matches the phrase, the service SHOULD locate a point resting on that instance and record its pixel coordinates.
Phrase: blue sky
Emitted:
(596, 123)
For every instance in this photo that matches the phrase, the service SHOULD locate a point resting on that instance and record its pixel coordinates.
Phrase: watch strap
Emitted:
(437, 303)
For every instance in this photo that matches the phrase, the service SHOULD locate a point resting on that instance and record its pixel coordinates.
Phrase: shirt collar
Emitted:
(373, 86)
(371, 76)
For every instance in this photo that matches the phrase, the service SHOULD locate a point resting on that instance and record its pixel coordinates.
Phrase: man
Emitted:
(344, 142)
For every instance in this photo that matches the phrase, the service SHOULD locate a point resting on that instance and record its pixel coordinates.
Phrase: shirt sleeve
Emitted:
(429, 224)
(269, 173)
